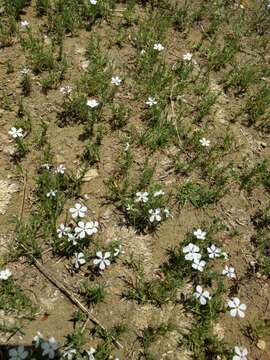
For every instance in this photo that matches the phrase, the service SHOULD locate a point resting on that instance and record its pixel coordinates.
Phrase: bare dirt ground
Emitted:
(53, 310)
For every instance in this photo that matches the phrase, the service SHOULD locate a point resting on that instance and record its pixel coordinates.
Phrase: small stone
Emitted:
(261, 345)
(90, 175)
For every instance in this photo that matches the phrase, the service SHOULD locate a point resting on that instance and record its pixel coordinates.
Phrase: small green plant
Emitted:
(92, 294)
(26, 83)
(257, 105)
(199, 194)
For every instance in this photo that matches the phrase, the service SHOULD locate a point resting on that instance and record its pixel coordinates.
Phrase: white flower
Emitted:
(199, 234)
(66, 90)
(240, 353)
(205, 142)
(229, 272)
(90, 353)
(129, 207)
(126, 148)
(116, 80)
(50, 347)
(187, 56)
(203, 296)
(5, 274)
(225, 255)
(158, 47)
(89, 228)
(92, 103)
(46, 166)
(151, 101)
(213, 251)
(154, 215)
(141, 196)
(102, 260)
(68, 353)
(236, 307)
(51, 193)
(167, 213)
(24, 23)
(78, 211)
(79, 260)
(60, 169)
(159, 193)
(62, 230)
(72, 238)
(18, 353)
(118, 251)
(16, 133)
(37, 339)
(192, 252)
(198, 264)
(25, 71)
(93, 2)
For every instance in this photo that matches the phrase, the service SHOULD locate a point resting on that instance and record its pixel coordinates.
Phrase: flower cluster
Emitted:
(147, 209)
(76, 236)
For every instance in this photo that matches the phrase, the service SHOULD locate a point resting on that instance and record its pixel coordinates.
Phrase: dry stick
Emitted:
(57, 283)
(70, 296)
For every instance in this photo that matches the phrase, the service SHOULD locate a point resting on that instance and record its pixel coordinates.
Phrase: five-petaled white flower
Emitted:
(79, 260)
(158, 193)
(167, 213)
(69, 353)
(141, 196)
(102, 260)
(158, 47)
(198, 264)
(25, 71)
(37, 339)
(129, 207)
(78, 210)
(154, 215)
(62, 230)
(24, 23)
(205, 142)
(229, 272)
(93, 2)
(116, 80)
(60, 169)
(213, 251)
(187, 56)
(151, 101)
(51, 193)
(200, 234)
(92, 103)
(118, 251)
(72, 238)
(18, 353)
(240, 353)
(203, 296)
(16, 133)
(89, 228)
(66, 90)
(50, 347)
(192, 252)
(236, 308)
(90, 353)
(5, 274)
